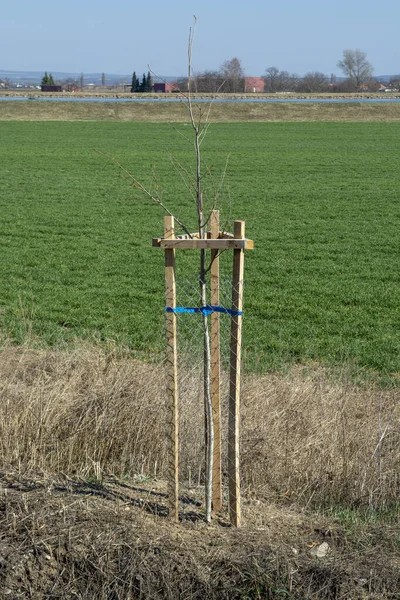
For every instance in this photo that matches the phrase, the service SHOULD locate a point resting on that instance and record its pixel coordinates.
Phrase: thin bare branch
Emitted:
(221, 251)
(176, 89)
(217, 190)
(130, 178)
(189, 97)
(181, 134)
(189, 181)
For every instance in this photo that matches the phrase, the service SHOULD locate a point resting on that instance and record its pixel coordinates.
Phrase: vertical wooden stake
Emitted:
(172, 374)
(215, 368)
(234, 384)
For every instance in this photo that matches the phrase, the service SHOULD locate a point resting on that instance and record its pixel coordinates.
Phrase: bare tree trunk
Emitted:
(200, 126)
(209, 426)
(208, 417)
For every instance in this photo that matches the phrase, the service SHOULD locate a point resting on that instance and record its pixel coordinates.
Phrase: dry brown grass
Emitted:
(80, 412)
(82, 499)
(176, 112)
(88, 412)
(323, 443)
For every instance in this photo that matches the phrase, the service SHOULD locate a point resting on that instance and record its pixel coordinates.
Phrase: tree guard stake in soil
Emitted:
(214, 241)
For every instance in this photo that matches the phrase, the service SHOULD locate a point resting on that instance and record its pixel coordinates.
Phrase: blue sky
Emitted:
(122, 36)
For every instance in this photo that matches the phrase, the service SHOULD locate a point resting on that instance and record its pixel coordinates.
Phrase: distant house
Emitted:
(51, 88)
(163, 88)
(254, 85)
(384, 88)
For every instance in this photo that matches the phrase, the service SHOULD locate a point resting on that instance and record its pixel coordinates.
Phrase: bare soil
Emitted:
(64, 538)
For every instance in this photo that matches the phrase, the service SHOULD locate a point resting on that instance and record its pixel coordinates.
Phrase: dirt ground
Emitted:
(65, 538)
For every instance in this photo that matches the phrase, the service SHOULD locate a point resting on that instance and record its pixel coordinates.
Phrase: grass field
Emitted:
(319, 199)
(82, 435)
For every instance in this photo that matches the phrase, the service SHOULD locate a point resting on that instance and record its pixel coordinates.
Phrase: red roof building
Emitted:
(254, 85)
(163, 88)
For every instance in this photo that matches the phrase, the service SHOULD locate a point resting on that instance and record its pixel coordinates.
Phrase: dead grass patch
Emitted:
(82, 496)
(88, 412)
(31, 110)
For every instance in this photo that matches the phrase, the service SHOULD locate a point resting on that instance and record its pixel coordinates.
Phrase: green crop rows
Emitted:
(321, 201)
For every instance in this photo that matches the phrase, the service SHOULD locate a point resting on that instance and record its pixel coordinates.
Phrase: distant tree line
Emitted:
(355, 66)
(231, 78)
(145, 85)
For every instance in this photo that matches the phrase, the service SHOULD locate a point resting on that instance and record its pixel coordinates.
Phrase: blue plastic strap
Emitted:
(205, 310)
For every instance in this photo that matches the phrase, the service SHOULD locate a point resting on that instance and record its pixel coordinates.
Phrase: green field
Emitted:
(321, 201)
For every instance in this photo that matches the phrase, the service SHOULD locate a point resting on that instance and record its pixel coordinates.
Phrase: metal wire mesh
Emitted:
(192, 424)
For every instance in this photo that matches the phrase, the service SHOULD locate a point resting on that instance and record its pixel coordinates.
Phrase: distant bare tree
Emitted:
(230, 78)
(70, 84)
(182, 84)
(279, 81)
(208, 81)
(271, 80)
(342, 87)
(356, 67)
(394, 82)
(233, 74)
(347, 87)
(313, 82)
(372, 85)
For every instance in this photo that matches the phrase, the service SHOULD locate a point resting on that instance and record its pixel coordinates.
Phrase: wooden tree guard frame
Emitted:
(216, 241)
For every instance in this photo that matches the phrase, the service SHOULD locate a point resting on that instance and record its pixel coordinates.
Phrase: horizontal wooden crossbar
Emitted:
(211, 244)
(225, 241)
